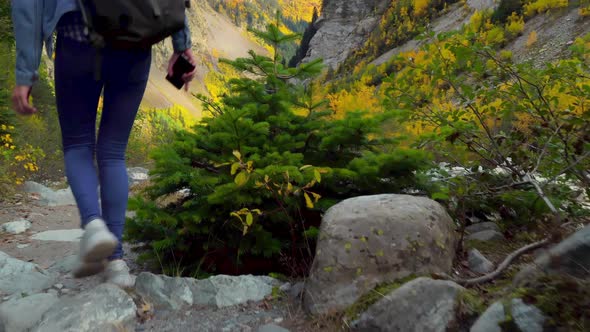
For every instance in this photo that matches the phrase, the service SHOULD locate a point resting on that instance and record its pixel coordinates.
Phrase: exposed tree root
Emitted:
(494, 274)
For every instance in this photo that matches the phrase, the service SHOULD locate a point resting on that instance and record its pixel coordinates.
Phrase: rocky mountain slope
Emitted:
(344, 26)
(213, 35)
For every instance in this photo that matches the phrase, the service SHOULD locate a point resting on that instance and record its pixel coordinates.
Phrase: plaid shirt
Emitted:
(72, 26)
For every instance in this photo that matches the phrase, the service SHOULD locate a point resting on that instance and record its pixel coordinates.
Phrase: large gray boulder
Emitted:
(526, 317)
(20, 314)
(571, 257)
(365, 241)
(104, 308)
(422, 304)
(219, 291)
(18, 277)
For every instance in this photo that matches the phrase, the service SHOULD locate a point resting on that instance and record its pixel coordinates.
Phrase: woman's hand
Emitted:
(20, 100)
(188, 77)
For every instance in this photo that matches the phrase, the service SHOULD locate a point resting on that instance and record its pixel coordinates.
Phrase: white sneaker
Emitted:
(97, 243)
(117, 272)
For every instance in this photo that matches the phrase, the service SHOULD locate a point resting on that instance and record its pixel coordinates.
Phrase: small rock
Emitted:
(485, 236)
(272, 328)
(53, 292)
(482, 226)
(103, 308)
(285, 287)
(17, 277)
(528, 318)
(479, 263)
(297, 290)
(22, 246)
(61, 235)
(422, 304)
(58, 286)
(279, 320)
(22, 314)
(17, 226)
(137, 175)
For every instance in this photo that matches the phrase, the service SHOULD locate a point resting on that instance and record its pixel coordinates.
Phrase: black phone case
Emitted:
(180, 67)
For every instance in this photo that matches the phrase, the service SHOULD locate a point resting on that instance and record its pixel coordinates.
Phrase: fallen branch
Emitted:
(503, 266)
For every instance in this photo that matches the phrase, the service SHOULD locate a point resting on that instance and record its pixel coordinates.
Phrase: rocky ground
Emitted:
(38, 244)
(384, 263)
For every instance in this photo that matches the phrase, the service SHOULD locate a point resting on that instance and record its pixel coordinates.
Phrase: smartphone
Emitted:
(180, 67)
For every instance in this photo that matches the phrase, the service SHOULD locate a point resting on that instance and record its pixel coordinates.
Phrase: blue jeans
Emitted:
(123, 79)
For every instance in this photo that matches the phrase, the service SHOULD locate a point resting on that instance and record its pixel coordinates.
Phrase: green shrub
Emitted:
(254, 172)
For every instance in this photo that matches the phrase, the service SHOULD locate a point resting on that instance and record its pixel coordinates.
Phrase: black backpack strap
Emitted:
(93, 37)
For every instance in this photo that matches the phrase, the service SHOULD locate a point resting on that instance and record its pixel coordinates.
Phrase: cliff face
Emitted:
(342, 27)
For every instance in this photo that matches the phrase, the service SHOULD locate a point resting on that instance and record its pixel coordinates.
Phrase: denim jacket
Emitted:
(34, 23)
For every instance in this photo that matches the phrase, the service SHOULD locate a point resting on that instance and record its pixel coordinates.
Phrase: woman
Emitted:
(123, 78)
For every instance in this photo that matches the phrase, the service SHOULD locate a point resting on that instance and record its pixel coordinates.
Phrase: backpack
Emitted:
(131, 24)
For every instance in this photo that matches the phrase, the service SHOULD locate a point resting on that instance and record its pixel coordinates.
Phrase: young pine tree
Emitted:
(247, 181)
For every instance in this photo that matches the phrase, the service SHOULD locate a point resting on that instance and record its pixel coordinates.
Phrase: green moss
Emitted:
(376, 294)
(470, 304)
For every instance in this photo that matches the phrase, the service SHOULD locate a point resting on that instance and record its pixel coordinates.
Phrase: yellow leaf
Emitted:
(237, 154)
(316, 197)
(234, 168)
(241, 179)
(308, 201)
(304, 167)
(249, 219)
(317, 175)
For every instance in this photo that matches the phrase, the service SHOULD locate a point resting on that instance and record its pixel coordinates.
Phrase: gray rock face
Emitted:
(528, 318)
(103, 308)
(488, 235)
(343, 27)
(422, 304)
(220, 291)
(20, 314)
(368, 240)
(571, 256)
(49, 197)
(478, 262)
(17, 277)
(17, 226)
(482, 226)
